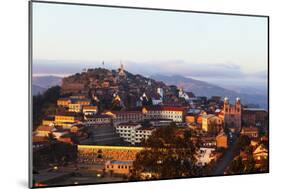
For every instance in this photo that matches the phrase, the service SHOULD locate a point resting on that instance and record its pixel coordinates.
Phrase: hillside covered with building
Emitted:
(124, 126)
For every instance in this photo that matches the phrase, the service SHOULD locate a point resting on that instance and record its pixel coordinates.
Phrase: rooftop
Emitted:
(44, 128)
(121, 162)
(89, 107)
(36, 139)
(129, 124)
(164, 108)
(254, 109)
(98, 116)
(249, 129)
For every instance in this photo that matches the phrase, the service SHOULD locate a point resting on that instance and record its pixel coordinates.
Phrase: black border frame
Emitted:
(30, 73)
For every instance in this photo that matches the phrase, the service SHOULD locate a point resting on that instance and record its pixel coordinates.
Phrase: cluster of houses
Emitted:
(212, 121)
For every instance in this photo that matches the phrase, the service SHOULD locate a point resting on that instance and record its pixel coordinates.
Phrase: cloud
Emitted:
(186, 69)
(170, 67)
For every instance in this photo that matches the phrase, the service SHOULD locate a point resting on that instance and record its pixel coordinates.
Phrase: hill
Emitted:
(37, 90)
(46, 81)
(200, 88)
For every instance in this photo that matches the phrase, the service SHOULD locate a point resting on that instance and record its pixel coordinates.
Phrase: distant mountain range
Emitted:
(41, 83)
(37, 90)
(46, 81)
(201, 88)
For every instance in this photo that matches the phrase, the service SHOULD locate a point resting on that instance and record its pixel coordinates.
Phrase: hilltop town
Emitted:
(100, 122)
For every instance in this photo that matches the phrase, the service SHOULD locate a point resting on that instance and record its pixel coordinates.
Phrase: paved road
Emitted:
(225, 160)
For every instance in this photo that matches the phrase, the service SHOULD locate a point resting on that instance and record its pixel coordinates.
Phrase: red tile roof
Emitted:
(44, 128)
(89, 107)
(165, 108)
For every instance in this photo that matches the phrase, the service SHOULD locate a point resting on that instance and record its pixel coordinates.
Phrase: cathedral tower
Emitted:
(232, 114)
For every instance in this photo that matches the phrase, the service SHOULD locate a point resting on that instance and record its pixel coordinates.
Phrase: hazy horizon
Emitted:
(222, 75)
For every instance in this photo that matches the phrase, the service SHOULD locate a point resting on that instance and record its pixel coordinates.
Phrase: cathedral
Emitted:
(232, 115)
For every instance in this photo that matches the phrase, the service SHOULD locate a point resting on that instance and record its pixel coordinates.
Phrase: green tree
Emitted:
(264, 165)
(44, 104)
(166, 155)
(250, 165)
(242, 142)
(236, 166)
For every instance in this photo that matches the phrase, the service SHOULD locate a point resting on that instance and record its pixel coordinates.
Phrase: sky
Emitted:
(149, 42)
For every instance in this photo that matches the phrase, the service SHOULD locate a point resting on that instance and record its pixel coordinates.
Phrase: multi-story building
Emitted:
(74, 103)
(222, 140)
(89, 153)
(143, 134)
(232, 115)
(67, 119)
(64, 102)
(164, 112)
(133, 133)
(125, 116)
(92, 120)
(211, 123)
(254, 117)
(82, 102)
(127, 131)
(160, 122)
(90, 110)
(251, 132)
(43, 130)
(74, 107)
(119, 167)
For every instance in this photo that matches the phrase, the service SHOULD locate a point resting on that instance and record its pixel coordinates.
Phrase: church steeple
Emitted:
(121, 70)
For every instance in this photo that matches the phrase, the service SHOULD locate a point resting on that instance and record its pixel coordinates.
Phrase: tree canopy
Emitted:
(44, 104)
(166, 155)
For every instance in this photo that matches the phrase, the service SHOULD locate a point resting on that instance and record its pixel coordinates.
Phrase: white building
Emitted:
(205, 156)
(133, 132)
(158, 98)
(160, 91)
(92, 120)
(125, 116)
(143, 133)
(188, 96)
(164, 112)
